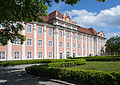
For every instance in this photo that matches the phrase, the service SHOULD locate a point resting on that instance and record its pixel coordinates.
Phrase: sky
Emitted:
(90, 13)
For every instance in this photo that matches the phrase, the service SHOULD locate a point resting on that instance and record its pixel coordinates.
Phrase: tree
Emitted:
(18, 11)
(113, 45)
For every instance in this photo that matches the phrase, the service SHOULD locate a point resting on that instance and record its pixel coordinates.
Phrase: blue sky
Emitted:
(90, 13)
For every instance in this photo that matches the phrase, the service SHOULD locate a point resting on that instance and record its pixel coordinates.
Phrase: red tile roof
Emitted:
(52, 15)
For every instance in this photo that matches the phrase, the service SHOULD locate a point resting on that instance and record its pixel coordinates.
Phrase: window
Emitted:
(73, 36)
(79, 46)
(16, 55)
(1, 26)
(84, 54)
(60, 34)
(79, 38)
(79, 53)
(39, 30)
(50, 54)
(90, 47)
(87, 46)
(60, 43)
(40, 43)
(40, 55)
(67, 35)
(2, 54)
(83, 46)
(29, 41)
(29, 54)
(50, 32)
(87, 38)
(100, 35)
(50, 43)
(67, 54)
(17, 41)
(83, 38)
(67, 45)
(29, 28)
(60, 55)
(74, 45)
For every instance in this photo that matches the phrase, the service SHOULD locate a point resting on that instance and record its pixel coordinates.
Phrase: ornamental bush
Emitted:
(76, 75)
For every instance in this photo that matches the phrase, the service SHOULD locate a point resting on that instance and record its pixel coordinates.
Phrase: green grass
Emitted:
(100, 66)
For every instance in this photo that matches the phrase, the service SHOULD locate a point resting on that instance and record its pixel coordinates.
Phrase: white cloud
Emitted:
(110, 35)
(106, 18)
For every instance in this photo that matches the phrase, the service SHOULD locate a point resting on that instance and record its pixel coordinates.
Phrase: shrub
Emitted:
(76, 75)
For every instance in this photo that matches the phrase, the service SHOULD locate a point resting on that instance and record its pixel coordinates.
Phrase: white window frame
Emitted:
(60, 55)
(73, 36)
(74, 45)
(61, 44)
(79, 37)
(68, 45)
(41, 30)
(18, 56)
(50, 33)
(49, 44)
(40, 56)
(61, 34)
(78, 46)
(27, 55)
(16, 42)
(31, 42)
(67, 35)
(40, 44)
(50, 55)
(2, 55)
(27, 28)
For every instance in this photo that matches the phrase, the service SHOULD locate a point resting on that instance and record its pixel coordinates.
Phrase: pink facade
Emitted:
(57, 38)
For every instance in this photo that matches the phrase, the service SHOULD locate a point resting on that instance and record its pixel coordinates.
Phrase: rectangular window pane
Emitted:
(39, 30)
(40, 43)
(29, 41)
(16, 55)
(60, 44)
(50, 43)
(60, 34)
(50, 54)
(2, 54)
(40, 55)
(29, 29)
(29, 54)
(50, 32)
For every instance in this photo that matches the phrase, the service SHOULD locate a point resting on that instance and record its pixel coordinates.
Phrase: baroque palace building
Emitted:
(57, 38)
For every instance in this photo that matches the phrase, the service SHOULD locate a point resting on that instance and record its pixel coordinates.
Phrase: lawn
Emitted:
(100, 66)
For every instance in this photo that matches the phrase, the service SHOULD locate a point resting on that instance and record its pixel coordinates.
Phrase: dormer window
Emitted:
(100, 35)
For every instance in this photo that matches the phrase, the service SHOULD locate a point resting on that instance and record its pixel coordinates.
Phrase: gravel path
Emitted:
(15, 75)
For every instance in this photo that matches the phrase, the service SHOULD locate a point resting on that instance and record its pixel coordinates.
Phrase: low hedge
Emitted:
(76, 75)
(19, 62)
(99, 58)
(68, 63)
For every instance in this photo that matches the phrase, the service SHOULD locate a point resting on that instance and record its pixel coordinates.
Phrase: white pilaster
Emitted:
(71, 44)
(35, 41)
(97, 46)
(89, 46)
(23, 45)
(45, 44)
(92, 46)
(86, 46)
(9, 51)
(82, 45)
(64, 45)
(76, 54)
(56, 43)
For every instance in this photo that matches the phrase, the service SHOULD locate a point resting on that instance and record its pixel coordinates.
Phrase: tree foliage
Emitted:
(113, 44)
(14, 12)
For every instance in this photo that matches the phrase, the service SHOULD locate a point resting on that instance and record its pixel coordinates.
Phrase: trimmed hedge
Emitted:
(68, 63)
(19, 62)
(76, 76)
(99, 58)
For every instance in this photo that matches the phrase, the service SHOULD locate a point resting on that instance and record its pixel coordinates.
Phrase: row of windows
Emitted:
(29, 55)
(29, 30)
